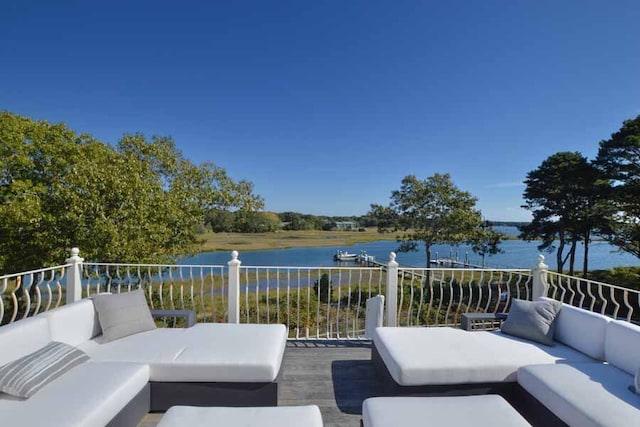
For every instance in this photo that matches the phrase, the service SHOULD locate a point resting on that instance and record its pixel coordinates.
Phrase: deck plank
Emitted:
(336, 376)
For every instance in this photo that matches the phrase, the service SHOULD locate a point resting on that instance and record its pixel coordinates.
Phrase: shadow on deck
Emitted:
(335, 375)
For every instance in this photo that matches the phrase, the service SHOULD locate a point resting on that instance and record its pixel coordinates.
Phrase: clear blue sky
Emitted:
(327, 105)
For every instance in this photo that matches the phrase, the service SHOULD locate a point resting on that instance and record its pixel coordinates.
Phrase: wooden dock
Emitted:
(336, 376)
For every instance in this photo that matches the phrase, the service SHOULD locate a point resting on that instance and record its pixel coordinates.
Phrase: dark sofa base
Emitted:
(135, 410)
(167, 394)
(528, 406)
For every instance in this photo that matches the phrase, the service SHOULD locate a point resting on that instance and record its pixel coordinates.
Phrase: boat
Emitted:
(344, 256)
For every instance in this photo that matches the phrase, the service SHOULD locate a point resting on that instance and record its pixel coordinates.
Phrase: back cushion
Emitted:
(623, 346)
(23, 337)
(582, 330)
(73, 323)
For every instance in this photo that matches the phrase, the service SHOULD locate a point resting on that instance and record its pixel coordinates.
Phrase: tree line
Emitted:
(572, 198)
(139, 200)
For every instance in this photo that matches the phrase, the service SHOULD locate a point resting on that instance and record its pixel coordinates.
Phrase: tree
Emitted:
(431, 211)
(619, 160)
(486, 241)
(568, 200)
(140, 201)
(219, 220)
(247, 221)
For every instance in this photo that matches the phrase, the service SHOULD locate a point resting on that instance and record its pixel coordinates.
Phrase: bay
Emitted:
(517, 254)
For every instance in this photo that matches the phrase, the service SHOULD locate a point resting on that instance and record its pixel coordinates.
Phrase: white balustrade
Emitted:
(313, 302)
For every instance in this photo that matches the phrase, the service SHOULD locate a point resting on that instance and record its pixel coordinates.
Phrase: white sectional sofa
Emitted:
(205, 365)
(582, 380)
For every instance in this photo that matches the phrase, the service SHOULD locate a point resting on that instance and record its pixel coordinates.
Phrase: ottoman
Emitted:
(281, 416)
(451, 411)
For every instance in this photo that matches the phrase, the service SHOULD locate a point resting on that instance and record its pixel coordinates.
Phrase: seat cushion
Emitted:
(229, 353)
(584, 394)
(282, 416)
(432, 356)
(460, 411)
(209, 352)
(571, 323)
(89, 395)
(622, 346)
(23, 337)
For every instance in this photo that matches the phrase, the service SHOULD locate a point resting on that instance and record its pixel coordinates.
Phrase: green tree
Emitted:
(431, 211)
(219, 220)
(140, 201)
(567, 198)
(619, 159)
(486, 241)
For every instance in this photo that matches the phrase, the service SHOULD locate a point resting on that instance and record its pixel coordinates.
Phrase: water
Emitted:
(517, 254)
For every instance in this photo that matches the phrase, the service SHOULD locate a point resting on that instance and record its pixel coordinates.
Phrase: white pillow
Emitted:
(25, 376)
(124, 314)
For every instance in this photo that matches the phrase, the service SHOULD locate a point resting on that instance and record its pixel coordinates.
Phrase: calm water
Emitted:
(517, 254)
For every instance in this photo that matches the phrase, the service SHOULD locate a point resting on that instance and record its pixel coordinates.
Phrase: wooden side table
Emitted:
(482, 321)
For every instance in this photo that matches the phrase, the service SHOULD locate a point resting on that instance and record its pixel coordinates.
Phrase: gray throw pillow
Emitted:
(124, 314)
(25, 376)
(532, 320)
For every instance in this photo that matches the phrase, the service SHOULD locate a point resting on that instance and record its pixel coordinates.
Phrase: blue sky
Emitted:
(327, 105)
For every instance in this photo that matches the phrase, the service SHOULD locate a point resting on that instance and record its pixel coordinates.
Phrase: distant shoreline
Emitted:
(292, 239)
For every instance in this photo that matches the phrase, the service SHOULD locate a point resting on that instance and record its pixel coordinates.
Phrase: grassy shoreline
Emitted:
(288, 239)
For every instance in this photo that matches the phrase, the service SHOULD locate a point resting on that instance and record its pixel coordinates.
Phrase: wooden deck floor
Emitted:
(335, 376)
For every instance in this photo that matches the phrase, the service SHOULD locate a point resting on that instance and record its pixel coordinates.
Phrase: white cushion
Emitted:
(622, 346)
(73, 323)
(156, 347)
(89, 395)
(229, 352)
(23, 377)
(23, 337)
(582, 330)
(431, 356)
(205, 352)
(374, 315)
(281, 416)
(584, 394)
(459, 411)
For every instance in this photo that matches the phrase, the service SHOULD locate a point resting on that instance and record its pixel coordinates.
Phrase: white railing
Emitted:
(439, 296)
(201, 288)
(313, 302)
(29, 293)
(615, 301)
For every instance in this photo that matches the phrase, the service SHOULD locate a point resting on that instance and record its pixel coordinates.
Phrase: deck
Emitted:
(336, 376)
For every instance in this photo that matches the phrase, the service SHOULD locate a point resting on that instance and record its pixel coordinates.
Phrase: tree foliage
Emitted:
(486, 241)
(139, 201)
(619, 159)
(431, 211)
(568, 200)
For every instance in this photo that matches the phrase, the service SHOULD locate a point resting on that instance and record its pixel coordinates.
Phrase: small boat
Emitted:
(344, 256)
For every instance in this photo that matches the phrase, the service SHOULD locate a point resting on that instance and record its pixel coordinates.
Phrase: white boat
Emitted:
(344, 256)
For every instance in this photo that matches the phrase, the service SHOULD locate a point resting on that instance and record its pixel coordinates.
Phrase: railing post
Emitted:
(234, 288)
(392, 291)
(74, 278)
(540, 286)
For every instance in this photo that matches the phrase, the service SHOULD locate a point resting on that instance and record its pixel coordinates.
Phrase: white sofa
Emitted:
(208, 364)
(582, 379)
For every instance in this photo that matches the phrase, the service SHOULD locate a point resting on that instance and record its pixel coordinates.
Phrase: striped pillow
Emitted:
(25, 376)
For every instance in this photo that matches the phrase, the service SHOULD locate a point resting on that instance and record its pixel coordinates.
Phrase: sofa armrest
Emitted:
(188, 315)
